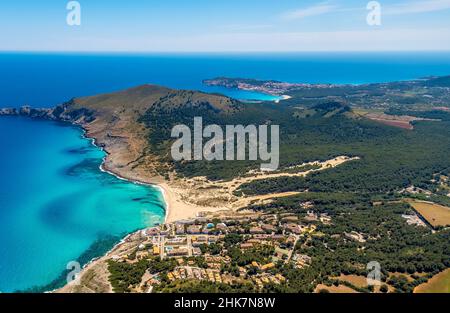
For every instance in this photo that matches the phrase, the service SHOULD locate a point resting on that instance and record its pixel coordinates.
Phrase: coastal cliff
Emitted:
(28, 111)
(63, 113)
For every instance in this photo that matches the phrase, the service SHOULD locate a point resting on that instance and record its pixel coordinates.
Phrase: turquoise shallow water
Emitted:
(55, 203)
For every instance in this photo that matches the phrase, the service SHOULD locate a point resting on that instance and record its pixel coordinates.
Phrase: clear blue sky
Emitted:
(224, 25)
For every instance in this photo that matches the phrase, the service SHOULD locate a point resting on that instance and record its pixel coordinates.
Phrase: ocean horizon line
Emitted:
(218, 52)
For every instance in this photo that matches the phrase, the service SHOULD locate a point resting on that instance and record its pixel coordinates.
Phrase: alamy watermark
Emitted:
(374, 16)
(374, 275)
(229, 144)
(73, 17)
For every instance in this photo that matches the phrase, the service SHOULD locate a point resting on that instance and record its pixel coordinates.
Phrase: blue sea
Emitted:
(57, 206)
(47, 79)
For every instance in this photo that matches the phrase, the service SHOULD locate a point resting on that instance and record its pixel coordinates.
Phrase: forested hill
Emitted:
(365, 195)
(390, 158)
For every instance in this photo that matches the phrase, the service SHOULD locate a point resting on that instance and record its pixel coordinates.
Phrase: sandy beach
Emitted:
(177, 209)
(283, 97)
